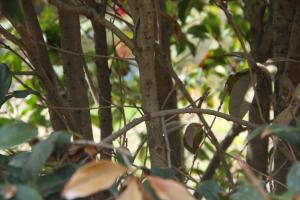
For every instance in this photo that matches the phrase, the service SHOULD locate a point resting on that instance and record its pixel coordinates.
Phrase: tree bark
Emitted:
(167, 96)
(286, 45)
(261, 50)
(74, 73)
(143, 12)
(36, 49)
(103, 77)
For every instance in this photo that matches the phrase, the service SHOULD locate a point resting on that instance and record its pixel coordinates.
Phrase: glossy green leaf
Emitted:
(246, 192)
(40, 154)
(167, 173)
(5, 82)
(36, 160)
(210, 190)
(20, 94)
(15, 134)
(53, 183)
(19, 160)
(293, 178)
(255, 133)
(25, 192)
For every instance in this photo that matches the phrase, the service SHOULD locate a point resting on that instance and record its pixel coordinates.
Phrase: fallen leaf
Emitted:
(167, 189)
(91, 178)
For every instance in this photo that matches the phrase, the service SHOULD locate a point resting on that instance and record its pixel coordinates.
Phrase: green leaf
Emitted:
(210, 190)
(255, 133)
(198, 31)
(5, 81)
(293, 178)
(15, 134)
(3, 161)
(19, 160)
(167, 173)
(36, 160)
(246, 192)
(52, 183)
(150, 190)
(60, 139)
(23, 93)
(20, 94)
(13, 10)
(25, 192)
(182, 9)
(124, 157)
(40, 154)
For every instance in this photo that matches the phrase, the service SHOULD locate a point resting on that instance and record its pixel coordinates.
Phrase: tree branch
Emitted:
(93, 15)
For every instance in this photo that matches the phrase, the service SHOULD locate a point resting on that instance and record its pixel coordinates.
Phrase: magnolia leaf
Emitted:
(167, 189)
(52, 183)
(41, 152)
(15, 134)
(27, 192)
(246, 192)
(241, 95)
(91, 178)
(193, 136)
(134, 191)
(167, 173)
(37, 159)
(210, 190)
(5, 82)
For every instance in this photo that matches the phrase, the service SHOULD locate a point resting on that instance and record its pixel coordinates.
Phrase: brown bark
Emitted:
(261, 50)
(103, 77)
(286, 44)
(32, 37)
(143, 12)
(166, 92)
(74, 73)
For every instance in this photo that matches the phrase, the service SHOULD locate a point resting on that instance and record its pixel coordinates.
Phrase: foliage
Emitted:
(208, 57)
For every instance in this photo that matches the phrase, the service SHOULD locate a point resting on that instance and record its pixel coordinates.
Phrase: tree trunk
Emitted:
(261, 50)
(166, 90)
(143, 12)
(74, 73)
(103, 77)
(287, 45)
(36, 49)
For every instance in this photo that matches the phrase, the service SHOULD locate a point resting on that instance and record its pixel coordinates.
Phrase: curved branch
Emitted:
(137, 121)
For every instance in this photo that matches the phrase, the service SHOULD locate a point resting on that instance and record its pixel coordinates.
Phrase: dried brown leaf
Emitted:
(169, 189)
(91, 178)
(134, 191)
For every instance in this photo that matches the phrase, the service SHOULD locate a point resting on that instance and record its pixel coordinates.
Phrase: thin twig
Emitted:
(168, 149)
